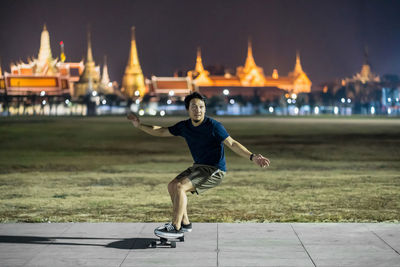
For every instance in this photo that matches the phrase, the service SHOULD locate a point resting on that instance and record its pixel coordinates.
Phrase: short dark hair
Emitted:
(193, 95)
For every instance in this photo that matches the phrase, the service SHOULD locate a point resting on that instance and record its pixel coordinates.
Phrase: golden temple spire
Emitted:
(105, 78)
(297, 67)
(133, 57)
(89, 57)
(90, 78)
(250, 62)
(199, 63)
(133, 80)
(45, 64)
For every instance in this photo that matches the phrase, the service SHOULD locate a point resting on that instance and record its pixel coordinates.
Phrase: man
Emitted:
(206, 138)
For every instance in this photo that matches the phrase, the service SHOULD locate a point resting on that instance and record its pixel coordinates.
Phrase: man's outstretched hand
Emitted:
(133, 118)
(261, 161)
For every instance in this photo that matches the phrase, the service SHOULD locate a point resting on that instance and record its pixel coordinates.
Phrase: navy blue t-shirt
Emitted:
(205, 141)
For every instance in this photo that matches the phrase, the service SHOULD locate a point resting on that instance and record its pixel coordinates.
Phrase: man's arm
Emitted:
(241, 150)
(150, 129)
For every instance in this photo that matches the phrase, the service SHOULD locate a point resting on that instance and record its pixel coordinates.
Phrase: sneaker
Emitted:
(187, 227)
(169, 231)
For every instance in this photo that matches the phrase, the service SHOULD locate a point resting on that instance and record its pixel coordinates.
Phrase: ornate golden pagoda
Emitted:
(105, 79)
(199, 74)
(90, 79)
(133, 81)
(301, 82)
(250, 74)
(45, 63)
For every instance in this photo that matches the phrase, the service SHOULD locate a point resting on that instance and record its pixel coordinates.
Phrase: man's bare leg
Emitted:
(172, 192)
(180, 201)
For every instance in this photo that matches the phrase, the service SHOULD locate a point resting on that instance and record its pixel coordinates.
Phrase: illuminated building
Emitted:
(172, 87)
(105, 83)
(41, 74)
(89, 80)
(250, 80)
(133, 84)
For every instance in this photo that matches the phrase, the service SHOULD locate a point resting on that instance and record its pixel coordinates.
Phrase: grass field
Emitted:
(103, 169)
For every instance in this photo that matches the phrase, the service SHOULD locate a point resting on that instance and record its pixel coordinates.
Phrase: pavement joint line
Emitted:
(301, 242)
(217, 245)
(51, 243)
(383, 241)
(133, 245)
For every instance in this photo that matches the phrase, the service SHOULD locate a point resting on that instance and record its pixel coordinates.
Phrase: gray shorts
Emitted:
(203, 177)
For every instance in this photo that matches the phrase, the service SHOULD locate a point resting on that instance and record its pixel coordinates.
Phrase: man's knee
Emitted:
(184, 186)
(172, 186)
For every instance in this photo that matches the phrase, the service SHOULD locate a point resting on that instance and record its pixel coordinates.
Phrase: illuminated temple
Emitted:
(46, 75)
(133, 84)
(51, 76)
(42, 74)
(249, 81)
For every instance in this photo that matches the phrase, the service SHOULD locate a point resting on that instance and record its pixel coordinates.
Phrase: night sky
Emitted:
(330, 35)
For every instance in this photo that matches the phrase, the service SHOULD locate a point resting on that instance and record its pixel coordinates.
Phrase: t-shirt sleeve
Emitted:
(176, 129)
(220, 133)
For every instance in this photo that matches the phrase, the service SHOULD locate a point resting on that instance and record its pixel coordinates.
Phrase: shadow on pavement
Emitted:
(125, 243)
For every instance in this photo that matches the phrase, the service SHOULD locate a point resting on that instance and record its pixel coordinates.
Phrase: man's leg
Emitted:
(172, 192)
(180, 201)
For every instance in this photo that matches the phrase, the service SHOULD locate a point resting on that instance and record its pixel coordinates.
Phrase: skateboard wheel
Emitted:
(182, 239)
(153, 244)
(173, 244)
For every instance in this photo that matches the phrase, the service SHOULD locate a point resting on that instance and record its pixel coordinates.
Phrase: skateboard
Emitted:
(162, 242)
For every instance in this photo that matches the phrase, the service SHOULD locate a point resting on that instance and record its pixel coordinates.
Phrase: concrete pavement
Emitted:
(210, 244)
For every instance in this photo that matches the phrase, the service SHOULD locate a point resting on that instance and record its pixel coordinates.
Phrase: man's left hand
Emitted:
(261, 161)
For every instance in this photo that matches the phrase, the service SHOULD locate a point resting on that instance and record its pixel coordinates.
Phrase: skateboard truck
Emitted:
(167, 242)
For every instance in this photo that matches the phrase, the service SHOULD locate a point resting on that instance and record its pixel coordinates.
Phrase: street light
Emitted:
(225, 92)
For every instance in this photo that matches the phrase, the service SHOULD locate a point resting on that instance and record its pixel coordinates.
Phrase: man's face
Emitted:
(197, 109)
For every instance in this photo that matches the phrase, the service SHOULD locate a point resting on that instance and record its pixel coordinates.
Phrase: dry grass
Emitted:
(102, 169)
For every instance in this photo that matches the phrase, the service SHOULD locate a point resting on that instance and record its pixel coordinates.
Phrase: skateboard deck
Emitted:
(163, 242)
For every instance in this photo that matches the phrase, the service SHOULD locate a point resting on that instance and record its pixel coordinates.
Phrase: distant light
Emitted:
(397, 99)
(44, 102)
(372, 110)
(171, 93)
(389, 111)
(61, 43)
(67, 101)
(94, 93)
(287, 95)
(162, 113)
(289, 101)
(169, 101)
(137, 93)
(104, 102)
(137, 101)
(232, 101)
(316, 110)
(294, 101)
(343, 100)
(225, 92)
(152, 112)
(42, 93)
(271, 109)
(348, 100)
(389, 100)
(110, 84)
(141, 112)
(336, 110)
(294, 96)
(296, 110)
